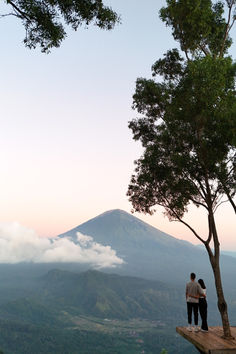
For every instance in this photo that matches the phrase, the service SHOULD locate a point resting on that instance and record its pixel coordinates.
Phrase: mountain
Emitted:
(229, 253)
(147, 251)
(110, 295)
(123, 230)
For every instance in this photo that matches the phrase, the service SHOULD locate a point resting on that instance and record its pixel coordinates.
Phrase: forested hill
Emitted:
(62, 311)
(112, 296)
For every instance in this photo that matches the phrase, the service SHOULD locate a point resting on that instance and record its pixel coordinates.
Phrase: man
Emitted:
(193, 291)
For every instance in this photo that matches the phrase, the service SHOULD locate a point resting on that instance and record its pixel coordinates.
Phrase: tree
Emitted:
(164, 351)
(45, 20)
(188, 125)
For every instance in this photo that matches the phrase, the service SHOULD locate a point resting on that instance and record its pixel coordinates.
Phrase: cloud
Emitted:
(20, 244)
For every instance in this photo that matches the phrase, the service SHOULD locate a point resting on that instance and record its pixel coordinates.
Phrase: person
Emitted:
(193, 292)
(203, 307)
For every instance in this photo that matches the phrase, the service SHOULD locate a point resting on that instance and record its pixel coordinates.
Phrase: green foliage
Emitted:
(45, 21)
(127, 338)
(189, 127)
(17, 338)
(198, 25)
(108, 296)
(28, 310)
(48, 321)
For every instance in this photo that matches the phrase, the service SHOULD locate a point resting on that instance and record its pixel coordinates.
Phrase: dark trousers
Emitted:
(203, 313)
(192, 307)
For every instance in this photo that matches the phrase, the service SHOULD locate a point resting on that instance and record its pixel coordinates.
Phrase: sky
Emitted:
(66, 153)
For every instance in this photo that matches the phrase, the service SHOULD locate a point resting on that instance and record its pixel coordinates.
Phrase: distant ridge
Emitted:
(110, 295)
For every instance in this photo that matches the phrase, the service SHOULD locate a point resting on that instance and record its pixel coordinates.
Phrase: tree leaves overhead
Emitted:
(187, 132)
(45, 20)
(171, 67)
(198, 25)
(188, 115)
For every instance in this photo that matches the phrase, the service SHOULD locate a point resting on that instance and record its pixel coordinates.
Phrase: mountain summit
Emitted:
(147, 251)
(120, 229)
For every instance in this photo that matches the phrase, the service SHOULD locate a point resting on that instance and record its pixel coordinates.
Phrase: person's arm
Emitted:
(201, 292)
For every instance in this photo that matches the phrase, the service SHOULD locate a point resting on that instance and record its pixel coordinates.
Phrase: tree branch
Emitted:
(198, 203)
(210, 253)
(199, 187)
(5, 15)
(227, 30)
(230, 200)
(227, 192)
(203, 193)
(190, 228)
(204, 50)
(217, 206)
(22, 14)
(186, 54)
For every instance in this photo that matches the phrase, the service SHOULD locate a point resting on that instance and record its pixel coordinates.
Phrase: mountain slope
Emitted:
(121, 229)
(147, 251)
(111, 296)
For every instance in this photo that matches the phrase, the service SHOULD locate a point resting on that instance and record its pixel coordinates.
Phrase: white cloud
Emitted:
(20, 244)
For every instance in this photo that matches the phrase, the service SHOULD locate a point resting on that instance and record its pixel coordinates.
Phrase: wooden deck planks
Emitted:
(210, 342)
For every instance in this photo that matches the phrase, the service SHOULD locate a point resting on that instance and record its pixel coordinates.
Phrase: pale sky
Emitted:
(66, 152)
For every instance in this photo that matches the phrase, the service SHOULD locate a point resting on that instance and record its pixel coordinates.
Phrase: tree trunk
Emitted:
(222, 305)
(215, 263)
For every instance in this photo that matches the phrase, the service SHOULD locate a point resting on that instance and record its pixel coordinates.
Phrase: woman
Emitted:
(203, 307)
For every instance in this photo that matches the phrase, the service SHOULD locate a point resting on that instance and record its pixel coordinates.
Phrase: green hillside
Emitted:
(28, 310)
(112, 296)
(93, 312)
(93, 336)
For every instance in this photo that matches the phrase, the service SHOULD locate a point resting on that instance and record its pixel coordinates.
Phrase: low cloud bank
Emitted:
(20, 244)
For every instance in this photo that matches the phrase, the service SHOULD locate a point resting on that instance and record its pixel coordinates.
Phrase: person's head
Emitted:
(202, 284)
(192, 276)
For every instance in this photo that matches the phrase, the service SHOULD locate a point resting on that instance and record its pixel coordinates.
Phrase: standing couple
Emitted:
(196, 299)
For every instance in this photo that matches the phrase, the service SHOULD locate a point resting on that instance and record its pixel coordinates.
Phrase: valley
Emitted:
(76, 308)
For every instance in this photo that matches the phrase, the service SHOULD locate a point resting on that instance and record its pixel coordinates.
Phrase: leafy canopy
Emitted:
(45, 20)
(199, 25)
(187, 133)
(187, 122)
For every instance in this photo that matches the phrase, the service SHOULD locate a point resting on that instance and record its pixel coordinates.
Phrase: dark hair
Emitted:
(192, 275)
(201, 282)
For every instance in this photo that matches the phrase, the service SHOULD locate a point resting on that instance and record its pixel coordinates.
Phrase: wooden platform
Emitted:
(210, 342)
